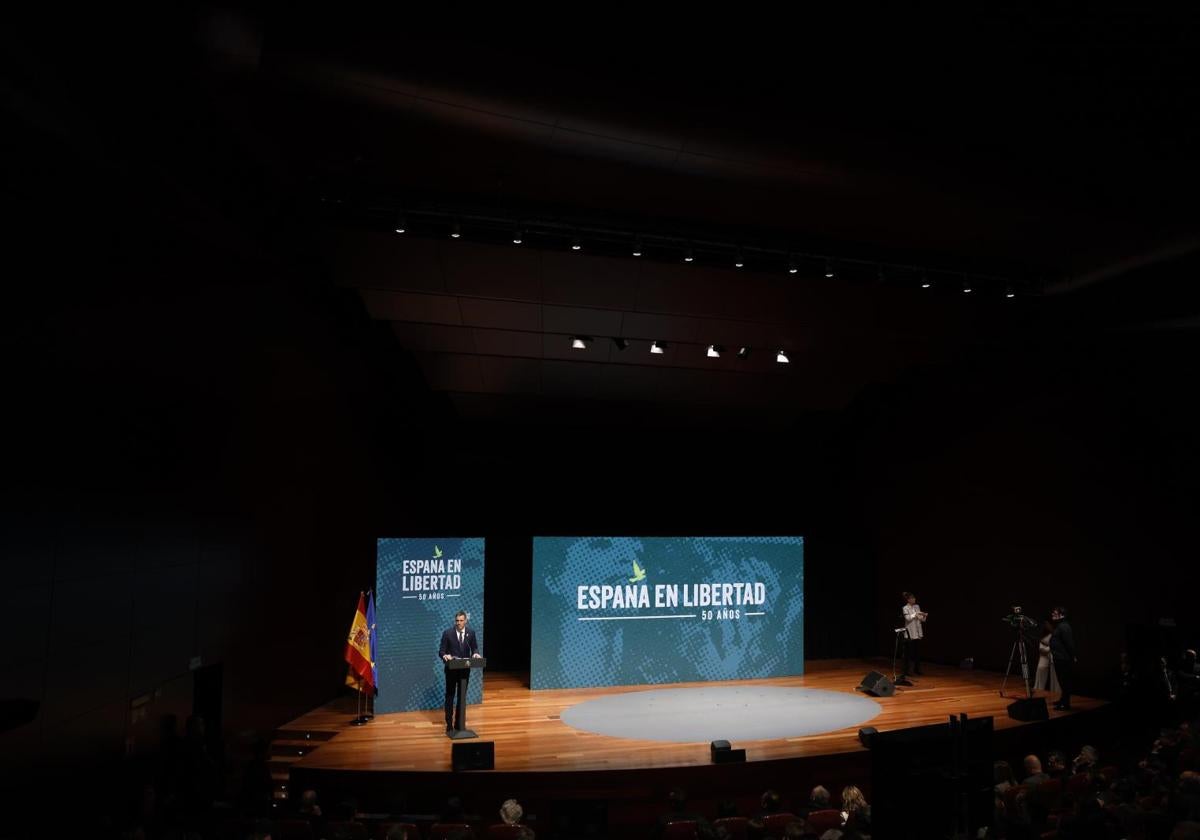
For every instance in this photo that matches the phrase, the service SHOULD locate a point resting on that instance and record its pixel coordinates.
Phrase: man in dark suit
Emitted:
(458, 642)
(1062, 651)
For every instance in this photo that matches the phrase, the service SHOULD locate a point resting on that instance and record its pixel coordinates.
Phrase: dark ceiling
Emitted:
(1054, 155)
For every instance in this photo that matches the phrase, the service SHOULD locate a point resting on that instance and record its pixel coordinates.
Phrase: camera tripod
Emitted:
(1019, 623)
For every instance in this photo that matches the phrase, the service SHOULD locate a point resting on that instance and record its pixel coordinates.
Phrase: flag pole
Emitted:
(369, 711)
(360, 719)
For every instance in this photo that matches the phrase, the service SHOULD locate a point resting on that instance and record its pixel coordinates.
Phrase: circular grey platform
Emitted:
(708, 713)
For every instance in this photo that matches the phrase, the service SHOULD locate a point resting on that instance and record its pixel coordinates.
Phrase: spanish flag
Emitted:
(358, 650)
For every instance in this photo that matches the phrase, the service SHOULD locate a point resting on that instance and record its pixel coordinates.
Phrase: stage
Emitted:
(400, 763)
(530, 734)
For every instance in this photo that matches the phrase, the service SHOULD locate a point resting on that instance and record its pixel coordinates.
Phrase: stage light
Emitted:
(455, 231)
(576, 245)
(518, 236)
(966, 286)
(401, 224)
(739, 261)
(925, 284)
(580, 342)
(781, 358)
(714, 351)
(830, 271)
(689, 256)
(637, 247)
(1009, 293)
(792, 267)
(621, 343)
(658, 347)
(743, 352)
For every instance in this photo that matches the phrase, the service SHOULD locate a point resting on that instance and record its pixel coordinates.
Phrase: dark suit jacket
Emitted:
(451, 646)
(1062, 642)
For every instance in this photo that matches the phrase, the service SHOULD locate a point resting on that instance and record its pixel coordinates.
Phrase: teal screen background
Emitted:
(570, 648)
(408, 628)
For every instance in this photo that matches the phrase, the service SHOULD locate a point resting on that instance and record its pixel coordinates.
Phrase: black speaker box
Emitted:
(866, 734)
(473, 755)
(729, 757)
(877, 685)
(1032, 708)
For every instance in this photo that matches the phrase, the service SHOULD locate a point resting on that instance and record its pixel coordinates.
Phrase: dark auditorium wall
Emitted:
(1064, 472)
(195, 423)
(187, 487)
(205, 445)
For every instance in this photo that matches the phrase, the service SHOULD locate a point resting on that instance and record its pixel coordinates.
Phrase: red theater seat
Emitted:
(680, 830)
(736, 826)
(503, 831)
(776, 823)
(440, 831)
(821, 821)
(381, 831)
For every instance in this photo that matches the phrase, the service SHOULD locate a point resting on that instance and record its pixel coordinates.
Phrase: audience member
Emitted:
(511, 812)
(1087, 761)
(855, 809)
(1033, 771)
(770, 803)
(818, 800)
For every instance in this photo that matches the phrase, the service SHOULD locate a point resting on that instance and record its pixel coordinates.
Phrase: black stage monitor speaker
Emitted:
(1032, 708)
(877, 685)
(473, 755)
(722, 754)
(866, 734)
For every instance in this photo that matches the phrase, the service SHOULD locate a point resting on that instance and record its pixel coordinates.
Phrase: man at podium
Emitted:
(458, 642)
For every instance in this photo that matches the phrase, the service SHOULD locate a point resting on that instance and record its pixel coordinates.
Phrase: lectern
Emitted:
(463, 667)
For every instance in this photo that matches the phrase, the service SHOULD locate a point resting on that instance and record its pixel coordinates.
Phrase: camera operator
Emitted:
(1062, 650)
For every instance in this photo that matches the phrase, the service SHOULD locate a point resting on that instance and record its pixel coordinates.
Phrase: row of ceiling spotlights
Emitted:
(689, 255)
(657, 348)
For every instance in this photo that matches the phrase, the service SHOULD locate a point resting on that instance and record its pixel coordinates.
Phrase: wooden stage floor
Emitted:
(530, 737)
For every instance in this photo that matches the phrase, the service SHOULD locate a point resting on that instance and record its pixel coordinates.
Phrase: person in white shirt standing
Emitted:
(914, 623)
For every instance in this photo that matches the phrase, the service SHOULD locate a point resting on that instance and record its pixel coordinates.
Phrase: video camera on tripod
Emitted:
(1021, 625)
(1017, 620)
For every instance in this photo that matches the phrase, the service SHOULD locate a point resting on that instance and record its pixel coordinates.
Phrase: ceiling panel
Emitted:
(572, 320)
(488, 271)
(451, 372)
(385, 305)
(501, 314)
(433, 338)
(511, 376)
(604, 282)
(508, 343)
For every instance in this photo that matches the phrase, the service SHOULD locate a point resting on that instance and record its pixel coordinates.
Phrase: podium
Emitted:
(463, 667)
